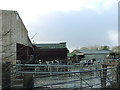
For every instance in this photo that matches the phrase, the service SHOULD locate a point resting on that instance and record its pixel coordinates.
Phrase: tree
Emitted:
(84, 48)
(105, 48)
(95, 47)
(75, 51)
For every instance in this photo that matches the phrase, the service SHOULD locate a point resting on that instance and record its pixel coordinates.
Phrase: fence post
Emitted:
(104, 74)
(74, 82)
(80, 81)
(0, 74)
(28, 81)
(118, 74)
(6, 75)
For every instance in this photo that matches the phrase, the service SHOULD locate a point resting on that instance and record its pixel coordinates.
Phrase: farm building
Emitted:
(51, 51)
(92, 54)
(14, 41)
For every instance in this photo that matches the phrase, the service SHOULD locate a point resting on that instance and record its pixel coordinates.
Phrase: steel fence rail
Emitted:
(75, 76)
(64, 72)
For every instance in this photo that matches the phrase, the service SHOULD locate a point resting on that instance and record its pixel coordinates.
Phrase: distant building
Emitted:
(93, 54)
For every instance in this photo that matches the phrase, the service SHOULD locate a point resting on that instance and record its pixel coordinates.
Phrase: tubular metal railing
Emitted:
(69, 76)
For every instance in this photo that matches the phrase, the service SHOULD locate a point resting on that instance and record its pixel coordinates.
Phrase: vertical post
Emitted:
(104, 74)
(80, 81)
(74, 82)
(118, 74)
(35, 69)
(0, 74)
(51, 69)
(6, 75)
(28, 81)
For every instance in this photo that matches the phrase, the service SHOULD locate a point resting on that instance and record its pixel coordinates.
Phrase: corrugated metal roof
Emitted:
(94, 51)
(51, 45)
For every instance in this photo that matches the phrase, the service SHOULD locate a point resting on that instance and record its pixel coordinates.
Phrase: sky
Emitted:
(78, 22)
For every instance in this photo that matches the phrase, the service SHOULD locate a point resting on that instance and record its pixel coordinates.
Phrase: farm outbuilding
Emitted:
(51, 51)
(93, 54)
(14, 40)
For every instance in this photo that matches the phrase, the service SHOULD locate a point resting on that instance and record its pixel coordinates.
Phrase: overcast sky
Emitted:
(78, 22)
